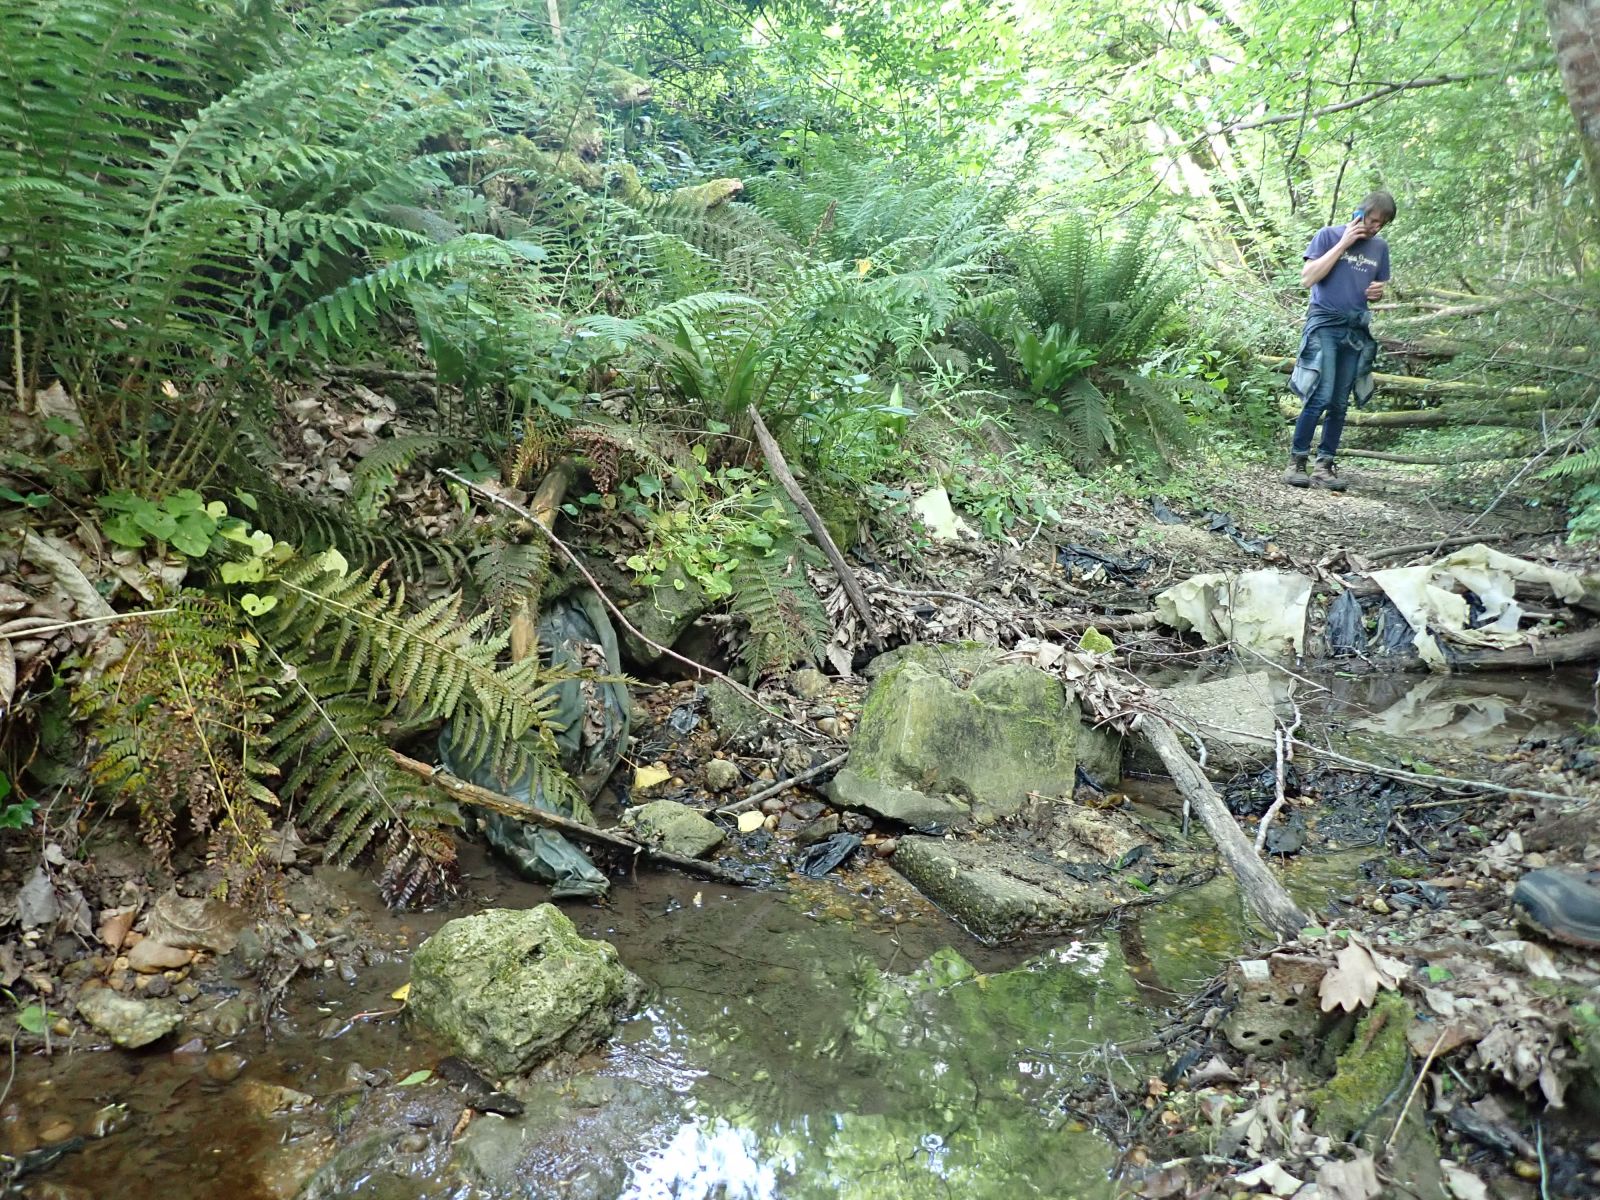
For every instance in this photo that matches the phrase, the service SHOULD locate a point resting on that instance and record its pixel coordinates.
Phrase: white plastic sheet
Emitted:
(1263, 611)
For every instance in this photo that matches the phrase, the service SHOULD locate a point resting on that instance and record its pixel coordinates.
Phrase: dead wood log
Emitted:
(1262, 891)
(479, 797)
(1562, 650)
(543, 507)
(1117, 623)
(1515, 414)
(1427, 387)
(785, 477)
(1423, 460)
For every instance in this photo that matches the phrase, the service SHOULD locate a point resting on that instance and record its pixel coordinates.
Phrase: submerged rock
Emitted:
(996, 891)
(508, 988)
(721, 775)
(128, 1022)
(673, 827)
(966, 752)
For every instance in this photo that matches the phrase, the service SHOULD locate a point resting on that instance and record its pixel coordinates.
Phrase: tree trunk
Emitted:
(1512, 415)
(1417, 384)
(1575, 31)
(1262, 891)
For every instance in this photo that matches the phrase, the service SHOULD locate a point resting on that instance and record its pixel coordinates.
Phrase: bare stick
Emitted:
(471, 793)
(783, 785)
(915, 592)
(1279, 797)
(1262, 891)
(780, 471)
(1412, 1094)
(1433, 547)
(1434, 782)
(617, 612)
(20, 628)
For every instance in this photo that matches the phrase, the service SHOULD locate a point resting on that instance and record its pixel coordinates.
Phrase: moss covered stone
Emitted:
(1369, 1072)
(662, 615)
(509, 988)
(978, 751)
(674, 827)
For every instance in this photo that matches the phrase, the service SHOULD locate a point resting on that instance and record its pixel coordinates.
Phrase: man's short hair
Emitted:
(1379, 202)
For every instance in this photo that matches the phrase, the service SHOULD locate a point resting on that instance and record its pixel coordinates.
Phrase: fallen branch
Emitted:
(1438, 544)
(480, 797)
(616, 612)
(1437, 783)
(1416, 383)
(1382, 92)
(783, 785)
(382, 374)
(1114, 623)
(930, 592)
(1262, 891)
(1516, 415)
(1556, 651)
(780, 470)
(1423, 460)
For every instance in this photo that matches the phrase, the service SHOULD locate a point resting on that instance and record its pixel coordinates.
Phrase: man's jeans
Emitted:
(1331, 399)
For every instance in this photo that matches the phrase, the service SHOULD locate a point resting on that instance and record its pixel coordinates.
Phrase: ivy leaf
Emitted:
(122, 530)
(257, 605)
(33, 1018)
(249, 571)
(192, 536)
(415, 1078)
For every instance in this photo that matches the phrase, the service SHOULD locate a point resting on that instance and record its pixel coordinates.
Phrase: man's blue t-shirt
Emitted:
(1345, 287)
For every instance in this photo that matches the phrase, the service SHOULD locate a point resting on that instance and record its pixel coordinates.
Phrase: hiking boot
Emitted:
(1295, 473)
(1562, 903)
(1324, 476)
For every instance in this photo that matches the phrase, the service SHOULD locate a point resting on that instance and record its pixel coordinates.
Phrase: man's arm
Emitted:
(1375, 288)
(1317, 268)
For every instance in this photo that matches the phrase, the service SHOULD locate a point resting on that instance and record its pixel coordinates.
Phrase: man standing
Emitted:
(1346, 266)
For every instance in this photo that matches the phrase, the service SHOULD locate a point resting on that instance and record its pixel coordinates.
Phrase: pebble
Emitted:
(152, 957)
(1593, 1151)
(886, 847)
(772, 805)
(1523, 1169)
(831, 726)
(108, 1120)
(1379, 905)
(412, 1143)
(61, 1027)
(187, 991)
(225, 1066)
(722, 775)
(55, 1128)
(155, 985)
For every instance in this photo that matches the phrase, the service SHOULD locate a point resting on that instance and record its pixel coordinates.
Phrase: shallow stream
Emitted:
(841, 1041)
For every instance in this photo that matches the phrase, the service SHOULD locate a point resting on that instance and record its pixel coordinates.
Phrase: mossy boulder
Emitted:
(663, 613)
(508, 988)
(976, 751)
(673, 827)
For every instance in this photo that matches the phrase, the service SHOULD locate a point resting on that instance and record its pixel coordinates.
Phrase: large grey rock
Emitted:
(1100, 753)
(128, 1022)
(1234, 715)
(970, 752)
(673, 827)
(508, 988)
(664, 612)
(956, 661)
(851, 788)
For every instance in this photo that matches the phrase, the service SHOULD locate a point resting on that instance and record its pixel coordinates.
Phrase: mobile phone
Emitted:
(1359, 213)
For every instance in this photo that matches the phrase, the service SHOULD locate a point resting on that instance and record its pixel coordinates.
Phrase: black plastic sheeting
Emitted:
(1086, 565)
(1346, 629)
(597, 714)
(826, 855)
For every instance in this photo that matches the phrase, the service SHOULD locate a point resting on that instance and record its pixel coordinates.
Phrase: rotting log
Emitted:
(1519, 414)
(480, 797)
(1565, 649)
(1423, 460)
(1266, 896)
(1416, 383)
(779, 467)
(545, 504)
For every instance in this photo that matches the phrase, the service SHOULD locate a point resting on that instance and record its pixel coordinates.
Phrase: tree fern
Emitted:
(773, 596)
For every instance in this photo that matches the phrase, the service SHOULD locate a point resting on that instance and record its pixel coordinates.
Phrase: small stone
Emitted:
(225, 1066)
(108, 1120)
(857, 822)
(831, 726)
(121, 963)
(127, 1022)
(722, 775)
(195, 1045)
(1379, 905)
(54, 1128)
(232, 1017)
(771, 823)
(673, 827)
(886, 848)
(809, 683)
(267, 1099)
(155, 985)
(61, 1027)
(819, 830)
(188, 991)
(412, 1143)
(1593, 1151)
(1523, 1169)
(772, 805)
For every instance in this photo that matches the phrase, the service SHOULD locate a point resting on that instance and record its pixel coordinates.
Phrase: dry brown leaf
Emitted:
(1353, 1180)
(1272, 1177)
(1461, 1183)
(1358, 973)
